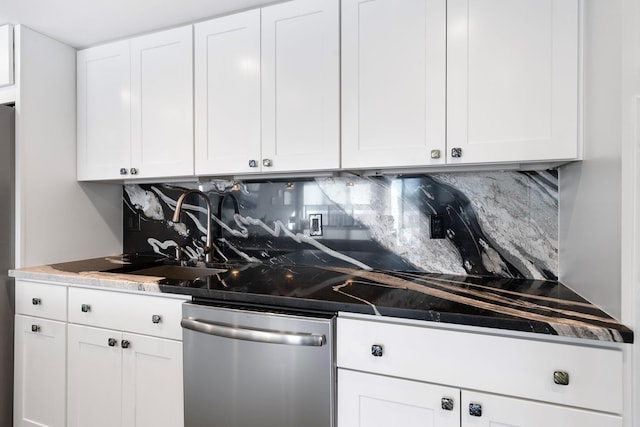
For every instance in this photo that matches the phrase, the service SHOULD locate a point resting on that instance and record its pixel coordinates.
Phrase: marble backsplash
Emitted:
(502, 224)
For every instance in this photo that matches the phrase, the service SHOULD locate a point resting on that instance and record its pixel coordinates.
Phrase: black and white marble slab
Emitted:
(536, 306)
(497, 224)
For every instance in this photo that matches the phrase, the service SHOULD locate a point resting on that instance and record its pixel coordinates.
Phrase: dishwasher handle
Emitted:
(257, 335)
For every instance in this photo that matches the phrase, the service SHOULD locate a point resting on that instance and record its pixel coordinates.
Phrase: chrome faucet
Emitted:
(208, 249)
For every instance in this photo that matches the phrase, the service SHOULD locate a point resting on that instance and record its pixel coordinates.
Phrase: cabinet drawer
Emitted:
(126, 312)
(502, 365)
(41, 300)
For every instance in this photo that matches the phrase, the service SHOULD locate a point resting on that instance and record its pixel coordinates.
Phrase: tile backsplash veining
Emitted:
(502, 224)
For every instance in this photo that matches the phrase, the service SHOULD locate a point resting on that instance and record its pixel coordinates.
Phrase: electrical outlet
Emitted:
(134, 222)
(436, 223)
(315, 224)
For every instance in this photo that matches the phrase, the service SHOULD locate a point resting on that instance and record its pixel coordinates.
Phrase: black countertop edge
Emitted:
(293, 304)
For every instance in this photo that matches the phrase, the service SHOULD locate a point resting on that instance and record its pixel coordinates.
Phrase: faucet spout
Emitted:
(208, 249)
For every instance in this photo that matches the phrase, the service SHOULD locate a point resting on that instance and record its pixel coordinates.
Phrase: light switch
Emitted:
(315, 224)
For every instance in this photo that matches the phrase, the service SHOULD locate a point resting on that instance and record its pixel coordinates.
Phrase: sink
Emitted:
(176, 272)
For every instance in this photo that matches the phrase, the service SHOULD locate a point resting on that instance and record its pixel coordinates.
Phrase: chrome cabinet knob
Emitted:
(267, 163)
(85, 308)
(156, 318)
(456, 152)
(35, 328)
(125, 344)
(36, 301)
(435, 154)
(561, 378)
(112, 342)
(123, 171)
(475, 409)
(134, 171)
(376, 350)
(447, 403)
(253, 164)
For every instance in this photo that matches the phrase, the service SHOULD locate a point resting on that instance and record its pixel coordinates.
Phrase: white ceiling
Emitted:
(84, 23)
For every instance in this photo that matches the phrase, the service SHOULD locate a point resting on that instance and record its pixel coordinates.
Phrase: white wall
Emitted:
(590, 191)
(57, 219)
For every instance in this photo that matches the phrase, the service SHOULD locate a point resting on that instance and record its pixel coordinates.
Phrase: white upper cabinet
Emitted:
(227, 95)
(301, 86)
(268, 90)
(104, 112)
(135, 107)
(6, 55)
(512, 80)
(162, 103)
(393, 82)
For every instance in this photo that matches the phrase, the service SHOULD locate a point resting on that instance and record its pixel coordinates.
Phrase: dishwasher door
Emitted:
(245, 368)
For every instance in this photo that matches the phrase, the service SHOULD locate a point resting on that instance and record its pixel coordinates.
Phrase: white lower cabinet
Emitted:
(424, 376)
(500, 411)
(125, 360)
(121, 379)
(40, 367)
(369, 400)
(96, 358)
(40, 372)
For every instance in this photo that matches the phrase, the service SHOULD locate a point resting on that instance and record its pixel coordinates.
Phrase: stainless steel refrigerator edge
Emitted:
(245, 368)
(7, 235)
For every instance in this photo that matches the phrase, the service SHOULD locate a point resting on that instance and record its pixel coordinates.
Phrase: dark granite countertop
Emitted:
(537, 306)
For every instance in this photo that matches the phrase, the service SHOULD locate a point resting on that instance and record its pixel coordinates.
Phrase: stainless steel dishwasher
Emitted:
(257, 368)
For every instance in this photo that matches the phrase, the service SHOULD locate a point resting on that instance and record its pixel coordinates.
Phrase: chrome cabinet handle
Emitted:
(561, 378)
(156, 318)
(456, 152)
(125, 344)
(112, 342)
(267, 163)
(475, 409)
(274, 337)
(85, 308)
(134, 171)
(447, 403)
(377, 350)
(36, 301)
(35, 328)
(435, 154)
(123, 171)
(253, 164)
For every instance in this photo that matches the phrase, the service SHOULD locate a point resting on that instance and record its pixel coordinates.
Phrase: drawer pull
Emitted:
(561, 378)
(36, 301)
(125, 344)
(35, 328)
(156, 318)
(376, 350)
(85, 308)
(112, 342)
(475, 409)
(447, 404)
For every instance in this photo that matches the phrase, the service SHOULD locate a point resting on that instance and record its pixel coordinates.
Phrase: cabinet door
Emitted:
(497, 411)
(300, 86)
(40, 372)
(369, 400)
(512, 82)
(152, 382)
(227, 94)
(393, 82)
(162, 103)
(104, 119)
(95, 377)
